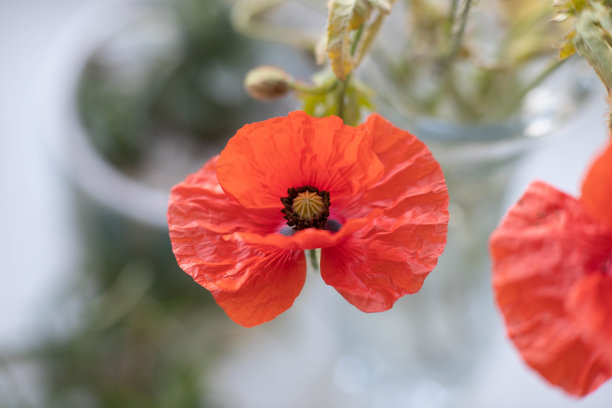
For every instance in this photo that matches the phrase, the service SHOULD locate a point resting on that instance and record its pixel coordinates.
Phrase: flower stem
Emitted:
(341, 94)
(356, 39)
(313, 259)
(458, 38)
(452, 14)
(344, 84)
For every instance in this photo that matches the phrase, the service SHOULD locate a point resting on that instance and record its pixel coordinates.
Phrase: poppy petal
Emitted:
(590, 305)
(597, 188)
(253, 284)
(261, 287)
(296, 151)
(310, 238)
(412, 179)
(199, 199)
(546, 243)
(392, 255)
(378, 264)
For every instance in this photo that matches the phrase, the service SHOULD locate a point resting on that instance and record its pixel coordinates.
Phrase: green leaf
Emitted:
(368, 37)
(320, 50)
(592, 43)
(346, 16)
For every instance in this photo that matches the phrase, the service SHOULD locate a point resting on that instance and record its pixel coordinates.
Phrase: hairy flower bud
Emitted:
(267, 83)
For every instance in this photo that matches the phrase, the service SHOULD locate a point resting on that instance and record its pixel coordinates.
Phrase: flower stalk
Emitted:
(314, 259)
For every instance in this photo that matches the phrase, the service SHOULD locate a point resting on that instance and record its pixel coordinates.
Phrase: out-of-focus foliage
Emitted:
(147, 334)
(347, 20)
(592, 33)
(352, 26)
(464, 60)
(327, 94)
(140, 333)
(189, 85)
(470, 60)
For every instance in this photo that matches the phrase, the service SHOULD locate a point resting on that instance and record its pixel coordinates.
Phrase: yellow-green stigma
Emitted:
(306, 207)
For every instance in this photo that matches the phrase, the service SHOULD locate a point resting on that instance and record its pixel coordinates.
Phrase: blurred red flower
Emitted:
(372, 197)
(552, 276)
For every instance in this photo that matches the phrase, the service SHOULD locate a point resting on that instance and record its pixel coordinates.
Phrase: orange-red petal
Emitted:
(412, 182)
(264, 159)
(252, 283)
(262, 287)
(590, 306)
(387, 192)
(310, 238)
(544, 246)
(597, 188)
(393, 254)
(384, 261)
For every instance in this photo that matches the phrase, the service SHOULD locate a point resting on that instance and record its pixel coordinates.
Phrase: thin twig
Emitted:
(458, 38)
(452, 14)
(344, 84)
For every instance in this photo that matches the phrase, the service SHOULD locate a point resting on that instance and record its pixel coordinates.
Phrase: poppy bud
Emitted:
(267, 83)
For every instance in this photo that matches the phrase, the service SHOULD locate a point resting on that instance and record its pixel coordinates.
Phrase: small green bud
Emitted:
(267, 83)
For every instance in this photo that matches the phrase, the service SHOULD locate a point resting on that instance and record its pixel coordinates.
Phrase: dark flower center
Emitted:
(306, 207)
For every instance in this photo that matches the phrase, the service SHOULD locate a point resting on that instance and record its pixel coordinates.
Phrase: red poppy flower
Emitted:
(552, 276)
(372, 197)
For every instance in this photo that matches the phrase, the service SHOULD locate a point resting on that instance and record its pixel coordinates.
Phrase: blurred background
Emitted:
(104, 105)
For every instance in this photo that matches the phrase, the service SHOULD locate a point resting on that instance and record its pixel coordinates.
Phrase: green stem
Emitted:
(356, 40)
(452, 14)
(458, 39)
(445, 61)
(313, 257)
(344, 84)
(341, 94)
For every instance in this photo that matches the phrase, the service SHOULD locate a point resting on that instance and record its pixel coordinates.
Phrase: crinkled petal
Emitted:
(590, 306)
(253, 284)
(262, 287)
(391, 256)
(597, 188)
(310, 238)
(264, 159)
(383, 261)
(412, 179)
(202, 202)
(544, 246)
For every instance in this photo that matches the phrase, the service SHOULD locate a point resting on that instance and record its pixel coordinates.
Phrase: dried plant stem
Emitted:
(344, 84)
(458, 36)
(452, 14)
